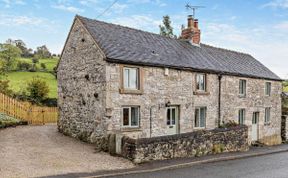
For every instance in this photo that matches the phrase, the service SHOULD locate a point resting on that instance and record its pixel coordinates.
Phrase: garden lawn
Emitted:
(50, 62)
(8, 121)
(18, 81)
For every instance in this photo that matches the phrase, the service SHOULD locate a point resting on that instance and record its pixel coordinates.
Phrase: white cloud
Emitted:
(261, 42)
(11, 20)
(156, 2)
(68, 8)
(118, 8)
(283, 4)
(9, 3)
(142, 22)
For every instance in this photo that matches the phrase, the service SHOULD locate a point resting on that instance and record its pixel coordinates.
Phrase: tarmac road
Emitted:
(267, 166)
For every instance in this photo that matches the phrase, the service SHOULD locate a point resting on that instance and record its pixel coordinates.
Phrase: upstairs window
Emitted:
(201, 82)
(241, 116)
(200, 117)
(131, 116)
(267, 115)
(131, 78)
(268, 88)
(242, 87)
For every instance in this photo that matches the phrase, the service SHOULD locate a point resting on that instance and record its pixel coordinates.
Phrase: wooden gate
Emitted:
(28, 112)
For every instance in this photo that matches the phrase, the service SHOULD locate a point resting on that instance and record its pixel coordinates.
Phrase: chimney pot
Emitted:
(196, 23)
(190, 21)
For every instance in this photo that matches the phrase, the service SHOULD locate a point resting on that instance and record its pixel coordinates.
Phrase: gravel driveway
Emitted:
(31, 151)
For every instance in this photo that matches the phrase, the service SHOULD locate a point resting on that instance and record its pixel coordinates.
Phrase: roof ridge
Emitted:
(123, 26)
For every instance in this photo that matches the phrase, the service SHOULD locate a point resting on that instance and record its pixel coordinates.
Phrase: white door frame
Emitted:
(255, 126)
(172, 128)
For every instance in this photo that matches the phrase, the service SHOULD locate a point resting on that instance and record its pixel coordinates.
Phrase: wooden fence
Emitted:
(25, 111)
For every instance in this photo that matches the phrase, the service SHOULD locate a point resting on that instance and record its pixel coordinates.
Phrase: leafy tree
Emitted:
(43, 52)
(43, 66)
(25, 51)
(37, 89)
(166, 29)
(8, 55)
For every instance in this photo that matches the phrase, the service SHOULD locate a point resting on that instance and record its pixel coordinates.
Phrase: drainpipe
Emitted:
(151, 121)
(219, 100)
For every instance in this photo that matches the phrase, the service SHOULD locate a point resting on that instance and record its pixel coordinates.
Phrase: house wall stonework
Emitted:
(254, 101)
(90, 102)
(81, 87)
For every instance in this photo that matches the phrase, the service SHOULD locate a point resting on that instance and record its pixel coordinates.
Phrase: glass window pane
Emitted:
(202, 117)
(173, 116)
(126, 116)
(133, 77)
(134, 116)
(126, 78)
(168, 116)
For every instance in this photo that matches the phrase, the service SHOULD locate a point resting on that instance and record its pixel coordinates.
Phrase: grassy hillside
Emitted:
(19, 79)
(50, 62)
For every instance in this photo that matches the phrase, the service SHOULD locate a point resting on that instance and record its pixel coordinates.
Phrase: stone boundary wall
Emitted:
(284, 128)
(193, 144)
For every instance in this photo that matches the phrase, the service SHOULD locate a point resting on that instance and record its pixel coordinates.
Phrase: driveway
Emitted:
(32, 151)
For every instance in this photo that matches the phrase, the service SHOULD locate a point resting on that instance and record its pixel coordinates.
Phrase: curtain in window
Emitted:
(134, 116)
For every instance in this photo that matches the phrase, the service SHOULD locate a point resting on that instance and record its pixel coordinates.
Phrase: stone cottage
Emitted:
(115, 79)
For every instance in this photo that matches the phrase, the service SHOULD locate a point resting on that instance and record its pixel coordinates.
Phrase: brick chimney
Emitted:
(192, 32)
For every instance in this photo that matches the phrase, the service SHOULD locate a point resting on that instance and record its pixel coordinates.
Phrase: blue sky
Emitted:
(258, 27)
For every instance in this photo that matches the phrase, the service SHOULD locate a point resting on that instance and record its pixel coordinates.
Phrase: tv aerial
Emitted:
(193, 8)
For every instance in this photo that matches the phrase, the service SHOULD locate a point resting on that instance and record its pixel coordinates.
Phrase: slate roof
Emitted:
(126, 45)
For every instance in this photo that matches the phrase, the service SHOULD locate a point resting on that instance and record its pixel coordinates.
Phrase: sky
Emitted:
(257, 27)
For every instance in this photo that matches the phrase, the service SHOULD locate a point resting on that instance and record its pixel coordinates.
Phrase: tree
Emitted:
(43, 66)
(8, 55)
(166, 29)
(37, 89)
(43, 52)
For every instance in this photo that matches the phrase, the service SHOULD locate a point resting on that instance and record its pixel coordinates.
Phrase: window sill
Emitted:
(199, 128)
(201, 93)
(131, 129)
(135, 92)
(241, 96)
(267, 123)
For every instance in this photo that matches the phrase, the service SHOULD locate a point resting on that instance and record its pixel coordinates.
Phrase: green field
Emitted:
(50, 62)
(18, 81)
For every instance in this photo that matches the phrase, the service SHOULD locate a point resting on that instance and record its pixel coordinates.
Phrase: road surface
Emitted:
(268, 166)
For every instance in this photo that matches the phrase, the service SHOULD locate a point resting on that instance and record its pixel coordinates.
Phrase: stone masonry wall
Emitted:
(81, 88)
(192, 144)
(255, 101)
(178, 88)
(158, 89)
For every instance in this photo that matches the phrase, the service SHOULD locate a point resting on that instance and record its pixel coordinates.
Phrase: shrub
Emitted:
(43, 66)
(229, 124)
(37, 90)
(4, 87)
(24, 66)
(33, 68)
(35, 60)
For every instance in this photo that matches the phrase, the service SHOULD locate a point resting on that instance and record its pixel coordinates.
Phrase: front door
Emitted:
(172, 119)
(255, 121)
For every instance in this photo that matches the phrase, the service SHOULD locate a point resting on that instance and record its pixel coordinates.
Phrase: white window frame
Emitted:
(242, 88)
(268, 89)
(198, 109)
(267, 115)
(241, 112)
(129, 108)
(137, 78)
(198, 88)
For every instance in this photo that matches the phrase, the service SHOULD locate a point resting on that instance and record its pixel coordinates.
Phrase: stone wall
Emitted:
(284, 128)
(179, 88)
(254, 101)
(81, 88)
(192, 144)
